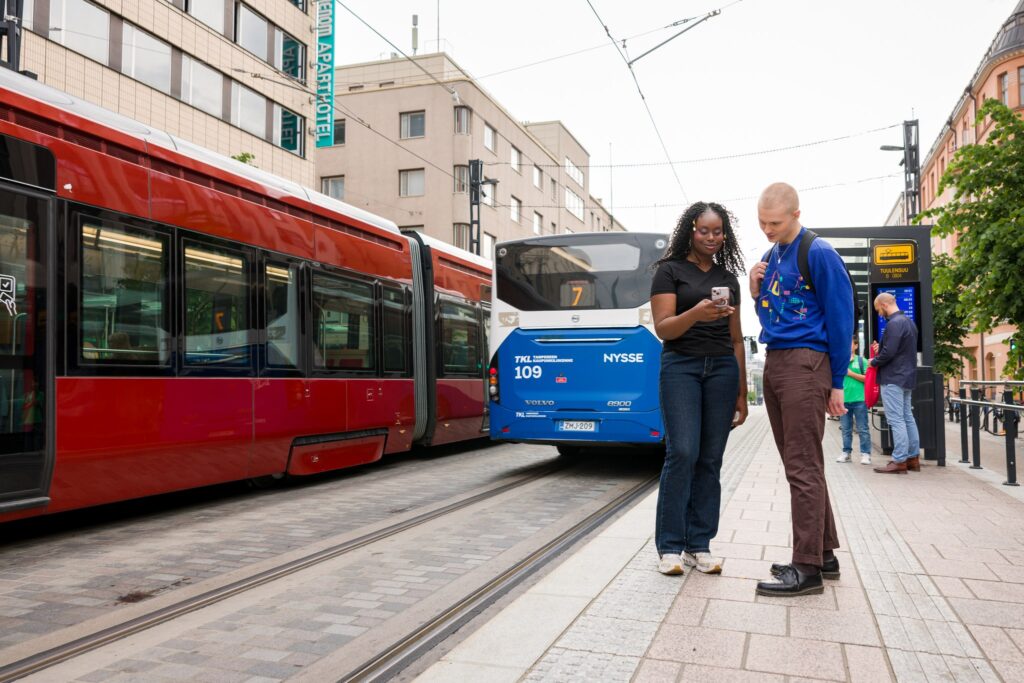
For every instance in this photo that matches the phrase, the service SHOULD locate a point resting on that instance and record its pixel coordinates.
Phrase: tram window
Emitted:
(343, 324)
(396, 336)
(124, 313)
(217, 329)
(460, 340)
(282, 286)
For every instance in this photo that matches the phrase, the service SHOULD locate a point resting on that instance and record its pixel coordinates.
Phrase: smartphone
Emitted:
(720, 295)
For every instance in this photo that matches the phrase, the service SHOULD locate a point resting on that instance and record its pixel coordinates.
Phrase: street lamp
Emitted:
(911, 169)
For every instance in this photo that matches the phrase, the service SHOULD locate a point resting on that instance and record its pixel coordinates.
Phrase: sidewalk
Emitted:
(932, 588)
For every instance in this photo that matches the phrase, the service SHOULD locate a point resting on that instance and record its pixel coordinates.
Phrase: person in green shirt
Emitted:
(856, 409)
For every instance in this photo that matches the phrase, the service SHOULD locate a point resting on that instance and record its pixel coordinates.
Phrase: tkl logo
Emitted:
(623, 358)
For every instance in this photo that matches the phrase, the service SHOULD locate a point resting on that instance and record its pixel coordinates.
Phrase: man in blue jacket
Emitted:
(806, 327)
(896, 360)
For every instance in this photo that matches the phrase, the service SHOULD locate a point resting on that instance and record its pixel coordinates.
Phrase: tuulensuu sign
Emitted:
(325, 73)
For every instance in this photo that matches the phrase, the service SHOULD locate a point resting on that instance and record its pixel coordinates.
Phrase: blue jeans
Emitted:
(906, 442)
(698, 401)
(856, 412)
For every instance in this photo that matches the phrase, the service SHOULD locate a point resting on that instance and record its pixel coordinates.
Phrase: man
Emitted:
(856, 408)
(807, 333)
(896, 360)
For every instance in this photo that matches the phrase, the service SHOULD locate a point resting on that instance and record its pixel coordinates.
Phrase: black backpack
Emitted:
(806, 239)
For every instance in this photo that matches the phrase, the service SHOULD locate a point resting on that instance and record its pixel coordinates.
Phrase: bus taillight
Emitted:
(492, 380)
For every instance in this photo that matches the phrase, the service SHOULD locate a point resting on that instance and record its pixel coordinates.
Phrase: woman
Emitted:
(702, 395)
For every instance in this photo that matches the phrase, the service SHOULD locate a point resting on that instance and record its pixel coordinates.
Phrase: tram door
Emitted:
(24, 379)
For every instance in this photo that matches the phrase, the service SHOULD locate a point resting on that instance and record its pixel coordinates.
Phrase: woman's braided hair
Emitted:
(681, 243)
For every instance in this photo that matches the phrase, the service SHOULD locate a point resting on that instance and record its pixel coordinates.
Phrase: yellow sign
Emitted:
(893, 254)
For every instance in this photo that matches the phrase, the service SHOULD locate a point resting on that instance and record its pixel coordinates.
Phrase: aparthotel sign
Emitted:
(325, 73)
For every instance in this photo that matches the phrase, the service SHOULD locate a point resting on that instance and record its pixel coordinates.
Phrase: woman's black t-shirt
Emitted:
(690, 284)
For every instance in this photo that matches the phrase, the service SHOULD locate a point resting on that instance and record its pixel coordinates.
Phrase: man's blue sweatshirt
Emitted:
(794, 317)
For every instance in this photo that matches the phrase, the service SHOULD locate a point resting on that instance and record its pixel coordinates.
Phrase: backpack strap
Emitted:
(801, 257)
(861, 359)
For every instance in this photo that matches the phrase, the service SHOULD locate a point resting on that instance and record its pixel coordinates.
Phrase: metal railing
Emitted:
(970, 415)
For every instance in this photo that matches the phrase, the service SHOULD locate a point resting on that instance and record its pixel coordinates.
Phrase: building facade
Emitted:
(999, 75)
(229, 75)
(404, 140)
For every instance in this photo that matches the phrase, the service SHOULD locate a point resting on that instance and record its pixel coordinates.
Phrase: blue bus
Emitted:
(575, 359)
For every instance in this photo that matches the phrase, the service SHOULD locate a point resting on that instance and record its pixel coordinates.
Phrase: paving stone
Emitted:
(714, 674)
(796, 657)
(867, 664)
(608, 635)
(743, 616)
(687, 610)
(657, 671)
(698, 645)
(560, 665)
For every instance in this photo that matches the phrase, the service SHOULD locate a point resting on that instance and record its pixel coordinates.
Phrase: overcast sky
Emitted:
(761, 75)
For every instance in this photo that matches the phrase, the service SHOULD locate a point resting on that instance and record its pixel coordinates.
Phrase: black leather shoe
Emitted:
(829, 570)
(792, 582)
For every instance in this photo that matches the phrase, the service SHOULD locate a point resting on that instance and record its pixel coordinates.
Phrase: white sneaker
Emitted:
(865, 460)
(703, 562)
(670, 564)
(845, 457)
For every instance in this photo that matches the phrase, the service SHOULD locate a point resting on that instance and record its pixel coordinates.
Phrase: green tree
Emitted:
(948, 318)
(987, 214)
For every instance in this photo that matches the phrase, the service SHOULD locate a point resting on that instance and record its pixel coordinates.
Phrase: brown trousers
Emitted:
(796, 390)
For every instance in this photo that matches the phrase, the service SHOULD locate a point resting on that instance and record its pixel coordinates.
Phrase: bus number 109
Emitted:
(528, 371)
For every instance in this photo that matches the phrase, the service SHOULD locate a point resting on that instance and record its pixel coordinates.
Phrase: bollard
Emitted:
(963, 427)
(976, 429)
(1011, 418)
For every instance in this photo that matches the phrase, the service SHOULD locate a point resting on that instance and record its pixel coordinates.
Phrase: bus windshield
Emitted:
(588, 271)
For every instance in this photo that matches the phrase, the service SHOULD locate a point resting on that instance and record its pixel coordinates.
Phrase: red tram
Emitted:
(170, 318)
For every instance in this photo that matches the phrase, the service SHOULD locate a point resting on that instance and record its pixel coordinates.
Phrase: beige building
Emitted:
(233, 76)
(404, 140)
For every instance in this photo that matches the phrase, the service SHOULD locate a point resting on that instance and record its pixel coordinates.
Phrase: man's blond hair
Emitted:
(780, 194)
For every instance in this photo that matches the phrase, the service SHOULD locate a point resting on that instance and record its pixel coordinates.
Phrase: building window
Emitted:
(487, 193)
(538, 178)
(554, 190)
(573, 203)
(410, 183)
(462, 120)
(252, 32)
(287, 130)
(289, 55)
(461, 178)
(210, 12)
(1020, 87)
(513, 158)
(538, 223)
(487, 246)
(333, 186)
(146, 59)
(573, 172)
(413, 124)
(202, 87)
(1004, 88)
(515, 209)
(490, 138)
(460, 235)
(81, 26)
(554, 228)
(248, 110)
(339, 131)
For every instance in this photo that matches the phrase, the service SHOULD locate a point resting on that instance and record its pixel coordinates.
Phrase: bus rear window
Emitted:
(547, 276)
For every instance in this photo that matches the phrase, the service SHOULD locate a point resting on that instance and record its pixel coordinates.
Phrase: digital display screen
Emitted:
(908, 299)
(576, 293)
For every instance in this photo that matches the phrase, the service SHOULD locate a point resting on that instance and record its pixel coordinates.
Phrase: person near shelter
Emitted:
(702, 384)
(896, 360)
(856, 408)
(807, 332)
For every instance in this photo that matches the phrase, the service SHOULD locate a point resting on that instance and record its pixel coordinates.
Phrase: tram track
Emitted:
(402, 652)
(63, 652)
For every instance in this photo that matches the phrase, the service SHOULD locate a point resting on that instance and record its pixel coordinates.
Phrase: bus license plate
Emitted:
(577, 426)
